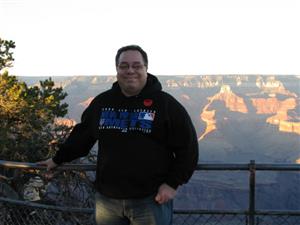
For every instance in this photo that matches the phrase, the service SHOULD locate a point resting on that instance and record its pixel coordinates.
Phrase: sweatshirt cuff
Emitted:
(56, 159)
(172, 183)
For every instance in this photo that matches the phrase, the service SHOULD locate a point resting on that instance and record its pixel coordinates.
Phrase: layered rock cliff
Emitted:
(272, 86)
(65, 122)
(283, 112)
(232, 101)
(282, 119)
(86, 102)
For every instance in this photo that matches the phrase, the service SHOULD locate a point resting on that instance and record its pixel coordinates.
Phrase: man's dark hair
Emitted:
(134, 48)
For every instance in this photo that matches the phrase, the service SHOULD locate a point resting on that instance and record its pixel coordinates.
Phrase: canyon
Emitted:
(238, 118)
(219, 106)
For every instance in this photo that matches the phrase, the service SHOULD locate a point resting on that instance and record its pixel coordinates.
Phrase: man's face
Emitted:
(131, 72)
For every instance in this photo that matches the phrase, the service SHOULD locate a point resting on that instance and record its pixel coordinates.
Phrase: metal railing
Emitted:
(17, 211)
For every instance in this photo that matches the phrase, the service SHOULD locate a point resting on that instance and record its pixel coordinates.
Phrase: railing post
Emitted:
(252, 192)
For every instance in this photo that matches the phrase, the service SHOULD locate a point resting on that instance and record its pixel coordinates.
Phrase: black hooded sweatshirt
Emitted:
(144, 141)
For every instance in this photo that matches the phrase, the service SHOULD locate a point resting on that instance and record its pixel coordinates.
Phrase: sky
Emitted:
(187, 37)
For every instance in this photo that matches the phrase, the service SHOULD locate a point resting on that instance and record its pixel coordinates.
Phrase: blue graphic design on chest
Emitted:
(127, 120)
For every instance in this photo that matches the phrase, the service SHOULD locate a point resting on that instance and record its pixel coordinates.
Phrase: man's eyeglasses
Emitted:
(125, 66)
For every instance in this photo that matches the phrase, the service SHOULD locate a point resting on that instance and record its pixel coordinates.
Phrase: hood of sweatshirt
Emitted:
(152, 85)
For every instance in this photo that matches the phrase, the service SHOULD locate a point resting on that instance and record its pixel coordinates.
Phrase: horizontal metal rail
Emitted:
(202, 166)
(246, 166)
(26, 165)
(49, 207)
(198, 211)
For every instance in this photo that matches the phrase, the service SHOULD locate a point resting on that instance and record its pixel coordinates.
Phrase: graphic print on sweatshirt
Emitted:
(127, 120)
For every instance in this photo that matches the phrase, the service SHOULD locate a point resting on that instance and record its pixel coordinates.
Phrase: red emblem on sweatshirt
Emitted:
(148, 102)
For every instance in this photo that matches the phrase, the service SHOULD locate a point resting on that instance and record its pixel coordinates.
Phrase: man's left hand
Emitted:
(165, 193)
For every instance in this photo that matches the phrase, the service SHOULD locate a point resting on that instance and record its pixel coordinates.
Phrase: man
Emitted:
(147, 145)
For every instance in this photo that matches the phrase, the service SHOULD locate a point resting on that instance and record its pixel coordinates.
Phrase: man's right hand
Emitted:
(50, 166)
(48, 163)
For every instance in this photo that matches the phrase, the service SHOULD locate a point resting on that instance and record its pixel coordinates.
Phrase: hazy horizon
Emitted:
(87, 75)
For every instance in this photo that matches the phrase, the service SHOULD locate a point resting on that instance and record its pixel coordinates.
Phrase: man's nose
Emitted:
(130, 70)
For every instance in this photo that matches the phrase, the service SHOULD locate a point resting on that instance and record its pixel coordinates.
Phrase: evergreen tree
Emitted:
(6, 54)
(27, 114)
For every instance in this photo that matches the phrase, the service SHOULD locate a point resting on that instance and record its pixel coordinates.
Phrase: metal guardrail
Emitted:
(72, 215)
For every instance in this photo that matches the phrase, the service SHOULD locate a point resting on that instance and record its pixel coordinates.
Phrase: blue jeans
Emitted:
(144, 211)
